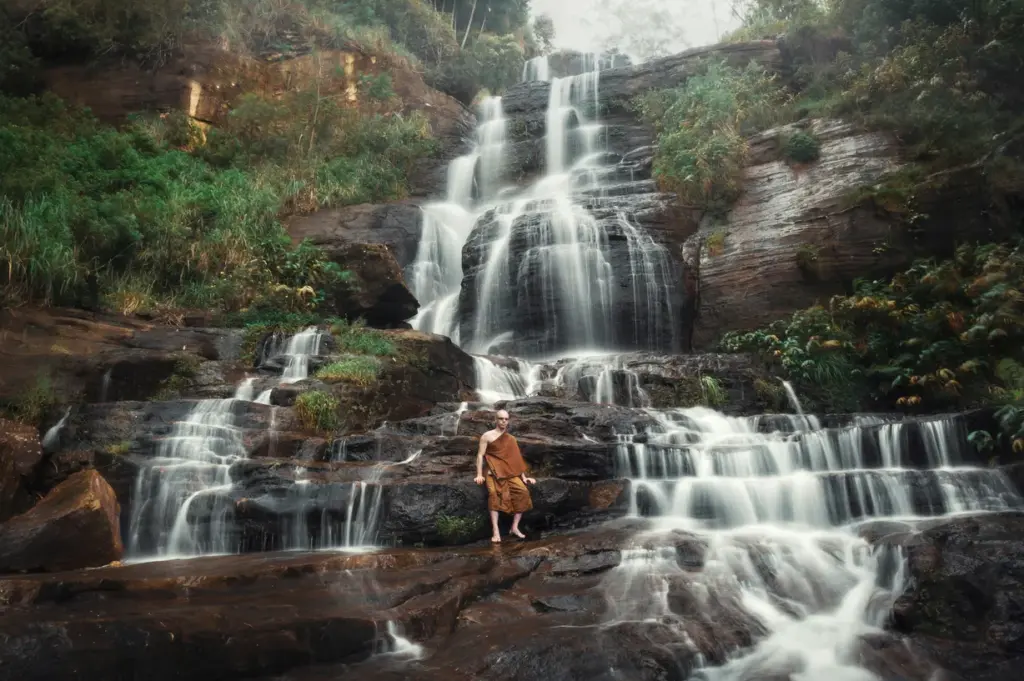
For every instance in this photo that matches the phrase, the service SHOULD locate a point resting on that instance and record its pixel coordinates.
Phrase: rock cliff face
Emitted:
(793, 239)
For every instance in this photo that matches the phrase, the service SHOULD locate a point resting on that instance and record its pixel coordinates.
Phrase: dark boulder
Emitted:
(75, 526)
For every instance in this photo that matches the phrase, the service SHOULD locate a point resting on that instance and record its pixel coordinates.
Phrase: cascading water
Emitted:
(779, 514)
(542, 279)
(537, 68)
(181, 502)
(192, 466)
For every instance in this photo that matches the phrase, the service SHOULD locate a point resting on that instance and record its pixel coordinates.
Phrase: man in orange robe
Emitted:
(506, 476)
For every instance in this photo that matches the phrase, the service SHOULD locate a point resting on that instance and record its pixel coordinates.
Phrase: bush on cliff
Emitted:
(939, 73)
(702, 129)
(942, 335)
(146, 218)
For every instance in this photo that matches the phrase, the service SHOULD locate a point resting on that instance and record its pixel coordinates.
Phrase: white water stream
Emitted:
(183, 503)
(780, 514)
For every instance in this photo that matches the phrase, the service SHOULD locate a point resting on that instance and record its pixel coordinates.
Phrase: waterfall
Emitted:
(537, 68)
(779, 513)
(543, 257)
(192, 467)
(181, 502)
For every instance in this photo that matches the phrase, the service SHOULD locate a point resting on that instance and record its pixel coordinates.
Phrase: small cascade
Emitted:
(601, 379)
(246, 390)
(395, 644)
(300, 348)
(507, 381)
(105, 384)
(774, 519)
(436, 273)
(191, 470)
(52, 436)
(537, 68)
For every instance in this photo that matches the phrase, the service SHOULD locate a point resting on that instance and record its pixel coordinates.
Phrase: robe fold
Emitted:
(506, 491)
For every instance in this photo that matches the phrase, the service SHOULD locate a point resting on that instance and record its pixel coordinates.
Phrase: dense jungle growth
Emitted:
(159, 214)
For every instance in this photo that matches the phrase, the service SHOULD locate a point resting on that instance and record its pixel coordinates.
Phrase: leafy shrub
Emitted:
(802, 147)
(702, 128)
(458, 529)
(318, 411)
(933, 337)
(34, 404)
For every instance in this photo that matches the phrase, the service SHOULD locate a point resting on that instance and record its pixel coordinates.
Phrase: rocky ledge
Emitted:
(537, 610)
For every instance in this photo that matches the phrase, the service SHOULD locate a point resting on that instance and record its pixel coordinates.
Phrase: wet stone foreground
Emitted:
(684, 521)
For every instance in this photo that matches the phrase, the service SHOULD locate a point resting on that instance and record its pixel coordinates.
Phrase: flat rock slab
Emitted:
(253, 615)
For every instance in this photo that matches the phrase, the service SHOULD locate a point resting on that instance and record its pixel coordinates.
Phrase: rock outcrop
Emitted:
(20, 453)
(396, 225)
(793, 238)
(965, 595)
(75, 526)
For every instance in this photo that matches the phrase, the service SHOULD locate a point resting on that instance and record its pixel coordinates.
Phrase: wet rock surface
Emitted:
(20, 453)
(396, 225)
(963, 607)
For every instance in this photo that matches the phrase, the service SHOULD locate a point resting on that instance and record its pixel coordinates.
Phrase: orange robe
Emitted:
(506, 491)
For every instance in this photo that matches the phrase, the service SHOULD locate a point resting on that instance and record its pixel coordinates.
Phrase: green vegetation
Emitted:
(689, 391)
(34, 404)
(458, 529)
(318, 411)
(944, 334)
(451, 40)
(703, 128)
(801, 147)
(935, 72)
(359, 370)
(182, 378)
(807, 259)
(713, 394)
(119, 448)
(135, 220)
(357, 339)
(161, 215)
(715, 242)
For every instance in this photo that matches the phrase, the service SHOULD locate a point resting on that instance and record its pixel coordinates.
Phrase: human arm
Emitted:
(526, 480)
(480, 460)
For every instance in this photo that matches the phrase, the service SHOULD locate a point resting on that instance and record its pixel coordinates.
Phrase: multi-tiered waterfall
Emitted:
(556, 268)
(558, 272)
(184, 500)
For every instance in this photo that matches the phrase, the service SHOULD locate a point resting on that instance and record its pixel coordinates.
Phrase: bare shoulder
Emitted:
(489, 436)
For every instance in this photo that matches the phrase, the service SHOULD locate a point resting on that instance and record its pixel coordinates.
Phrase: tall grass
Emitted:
(137, 218)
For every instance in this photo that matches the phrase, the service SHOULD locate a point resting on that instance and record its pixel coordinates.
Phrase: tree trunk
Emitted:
(469, 25)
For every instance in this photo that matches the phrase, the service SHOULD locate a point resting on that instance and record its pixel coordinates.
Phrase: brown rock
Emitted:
(20, 451)
(397, 225)
(74, 526)
(790, 240)
(376, 290)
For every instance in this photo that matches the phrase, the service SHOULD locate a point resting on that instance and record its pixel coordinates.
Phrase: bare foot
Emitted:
(519, 534)
(495, 540)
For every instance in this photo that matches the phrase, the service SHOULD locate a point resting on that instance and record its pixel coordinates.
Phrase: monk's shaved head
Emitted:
(502, 414)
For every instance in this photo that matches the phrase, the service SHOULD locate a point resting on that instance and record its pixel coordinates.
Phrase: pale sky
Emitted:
(578, 26)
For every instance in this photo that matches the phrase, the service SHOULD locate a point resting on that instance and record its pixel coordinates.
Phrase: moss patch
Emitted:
(458, 529)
